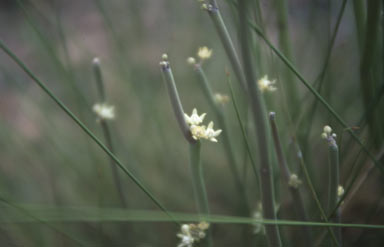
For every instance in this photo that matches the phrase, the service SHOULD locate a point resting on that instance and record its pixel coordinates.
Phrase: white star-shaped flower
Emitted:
(210, 133)
(194, 119)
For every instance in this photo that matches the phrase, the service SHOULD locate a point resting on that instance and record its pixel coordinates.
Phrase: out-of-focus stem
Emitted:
(296, 196)
(107, 132)
(225, 136)
(227, 42)
(360, 15)
(367, 80)
(313, 191)
(258, 110)
(333, 152)
(284, 42)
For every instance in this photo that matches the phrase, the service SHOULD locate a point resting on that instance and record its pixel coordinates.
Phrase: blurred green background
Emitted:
(47, 161)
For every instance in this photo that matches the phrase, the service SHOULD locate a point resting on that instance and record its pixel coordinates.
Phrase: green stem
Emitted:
(284, 42)
(257, 106)
(368, 83)
(198, 181)
(107, 132)
(294, 190)
(314, 193)
(175, 101)
(227, 42)
(333, 152)
(360, 15)
(227, 142)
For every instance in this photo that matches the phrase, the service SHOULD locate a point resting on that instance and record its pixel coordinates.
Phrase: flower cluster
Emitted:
(104, 111)
(266, 85)
(192, 233)
(204, 53)
(201, 131)
(294, 181)
(328, 135)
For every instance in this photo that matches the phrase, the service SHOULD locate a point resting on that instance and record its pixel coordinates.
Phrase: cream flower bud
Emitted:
(324, 135)
(191, 61)
(204, 53)
(327, 129)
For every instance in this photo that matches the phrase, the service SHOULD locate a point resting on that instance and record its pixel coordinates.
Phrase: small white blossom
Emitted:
(104, 111)
(201, 131)
(210, 133)
(204, 53)
(266, 85)
(294, 181)
(194, 119)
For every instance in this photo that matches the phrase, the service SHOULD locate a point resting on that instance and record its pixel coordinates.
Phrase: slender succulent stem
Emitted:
(313, 191)
(175, 101)
(333, 152)
(267, 192)
(107, 132)
(360, 15)
(227, 142)
(294, 190)
(198, 181)
(42, 85)
(226, 40)
(285, 44)
(368, 83)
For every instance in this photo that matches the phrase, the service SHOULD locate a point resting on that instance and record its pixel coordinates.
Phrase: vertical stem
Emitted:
(227, 42)
(294, 190)
(257, 107)
(367, 80)
(226, 138)
(199, 183)
(284, 42)
(313, 191)
(107, 132)
(360, 15)
(333, 152)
